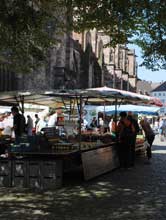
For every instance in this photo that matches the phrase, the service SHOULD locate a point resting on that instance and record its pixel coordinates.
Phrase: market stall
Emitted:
(41, 160)
(109, 110)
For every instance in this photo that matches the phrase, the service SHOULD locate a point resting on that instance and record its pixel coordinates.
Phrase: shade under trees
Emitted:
(28, 28)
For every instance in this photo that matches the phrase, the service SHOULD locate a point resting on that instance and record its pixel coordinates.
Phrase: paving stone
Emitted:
(139, 193)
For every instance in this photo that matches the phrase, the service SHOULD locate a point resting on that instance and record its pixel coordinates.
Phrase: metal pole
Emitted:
(116, 101)
(80, 120)
(79, 107)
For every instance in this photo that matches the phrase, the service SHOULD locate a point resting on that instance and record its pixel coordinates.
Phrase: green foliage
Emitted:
(28, 28)
(139, 21)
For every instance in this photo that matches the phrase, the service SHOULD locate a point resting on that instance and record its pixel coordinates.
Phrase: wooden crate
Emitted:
(5, 173)
(44, 174)
(33, 174)
(19, 176)
(51, 174)
(41, 174)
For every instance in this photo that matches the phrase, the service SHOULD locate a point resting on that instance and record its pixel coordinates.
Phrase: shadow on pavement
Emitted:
(138, 193)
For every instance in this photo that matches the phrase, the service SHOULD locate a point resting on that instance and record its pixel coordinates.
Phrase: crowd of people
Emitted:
(126, 128)
(14, 124)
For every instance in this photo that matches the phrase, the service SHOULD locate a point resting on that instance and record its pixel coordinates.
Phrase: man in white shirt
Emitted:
(52, 120)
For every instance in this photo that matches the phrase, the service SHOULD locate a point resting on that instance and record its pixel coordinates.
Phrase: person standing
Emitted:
(149, 135)
(137, 129)
(29, 125)
(125, 132)
(18, 124)
(52, 119)
(36, 119)
(113, 126)
(93, 123)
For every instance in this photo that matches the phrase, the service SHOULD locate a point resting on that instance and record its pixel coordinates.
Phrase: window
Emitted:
(159, 94)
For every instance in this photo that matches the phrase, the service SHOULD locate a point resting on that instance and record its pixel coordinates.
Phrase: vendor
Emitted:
(18, 124)
(112, 126)
(52, 119)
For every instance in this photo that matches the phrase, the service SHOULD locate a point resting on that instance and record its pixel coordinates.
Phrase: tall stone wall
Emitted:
(67, 66)
(81, 61)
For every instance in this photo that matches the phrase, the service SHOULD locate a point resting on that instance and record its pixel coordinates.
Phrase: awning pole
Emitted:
(79, 106)
(116, 102)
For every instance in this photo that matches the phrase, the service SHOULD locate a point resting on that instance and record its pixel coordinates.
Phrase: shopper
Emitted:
(93, 123)
(149, 135)
(29, 125)
(125, 131)
(137, 129)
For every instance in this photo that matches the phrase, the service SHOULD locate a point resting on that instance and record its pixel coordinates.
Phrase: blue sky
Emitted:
(145, 74)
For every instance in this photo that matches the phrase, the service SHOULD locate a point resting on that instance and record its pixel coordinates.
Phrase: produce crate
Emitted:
(5, 173)
(28, 173)
(33, 174)
(19, 174)
(51, 174)
(44, 174)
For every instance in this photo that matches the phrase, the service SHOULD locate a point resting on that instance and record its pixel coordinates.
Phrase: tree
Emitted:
(27, 31)
(28, 27)
(140, 22)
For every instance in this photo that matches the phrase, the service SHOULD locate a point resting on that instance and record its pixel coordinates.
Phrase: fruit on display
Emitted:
(140, 139)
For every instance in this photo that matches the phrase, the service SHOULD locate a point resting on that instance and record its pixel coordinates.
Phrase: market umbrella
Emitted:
(124, 96)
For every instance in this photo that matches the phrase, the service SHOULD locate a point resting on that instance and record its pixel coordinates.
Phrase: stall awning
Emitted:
(136, 109)
(125, 96)
(13, 98)
(100, 94)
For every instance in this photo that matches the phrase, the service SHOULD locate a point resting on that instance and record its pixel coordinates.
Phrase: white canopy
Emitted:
(100, 94)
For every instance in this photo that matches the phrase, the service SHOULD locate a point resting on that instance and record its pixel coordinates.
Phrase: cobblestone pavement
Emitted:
(139, 193)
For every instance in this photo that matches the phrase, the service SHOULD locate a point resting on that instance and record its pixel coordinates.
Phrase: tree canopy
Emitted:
(27, 30)
(130, 21)
(28, 27)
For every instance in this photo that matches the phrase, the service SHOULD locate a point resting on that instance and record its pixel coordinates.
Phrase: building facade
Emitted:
(118, 65)
(160, 92)
(79, 61)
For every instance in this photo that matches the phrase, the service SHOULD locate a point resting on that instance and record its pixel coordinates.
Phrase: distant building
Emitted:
(145, 87)
(160, 92)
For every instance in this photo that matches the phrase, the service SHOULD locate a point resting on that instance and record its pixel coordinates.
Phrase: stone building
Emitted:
(118, 65)
(8, 80)
(79, 61)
